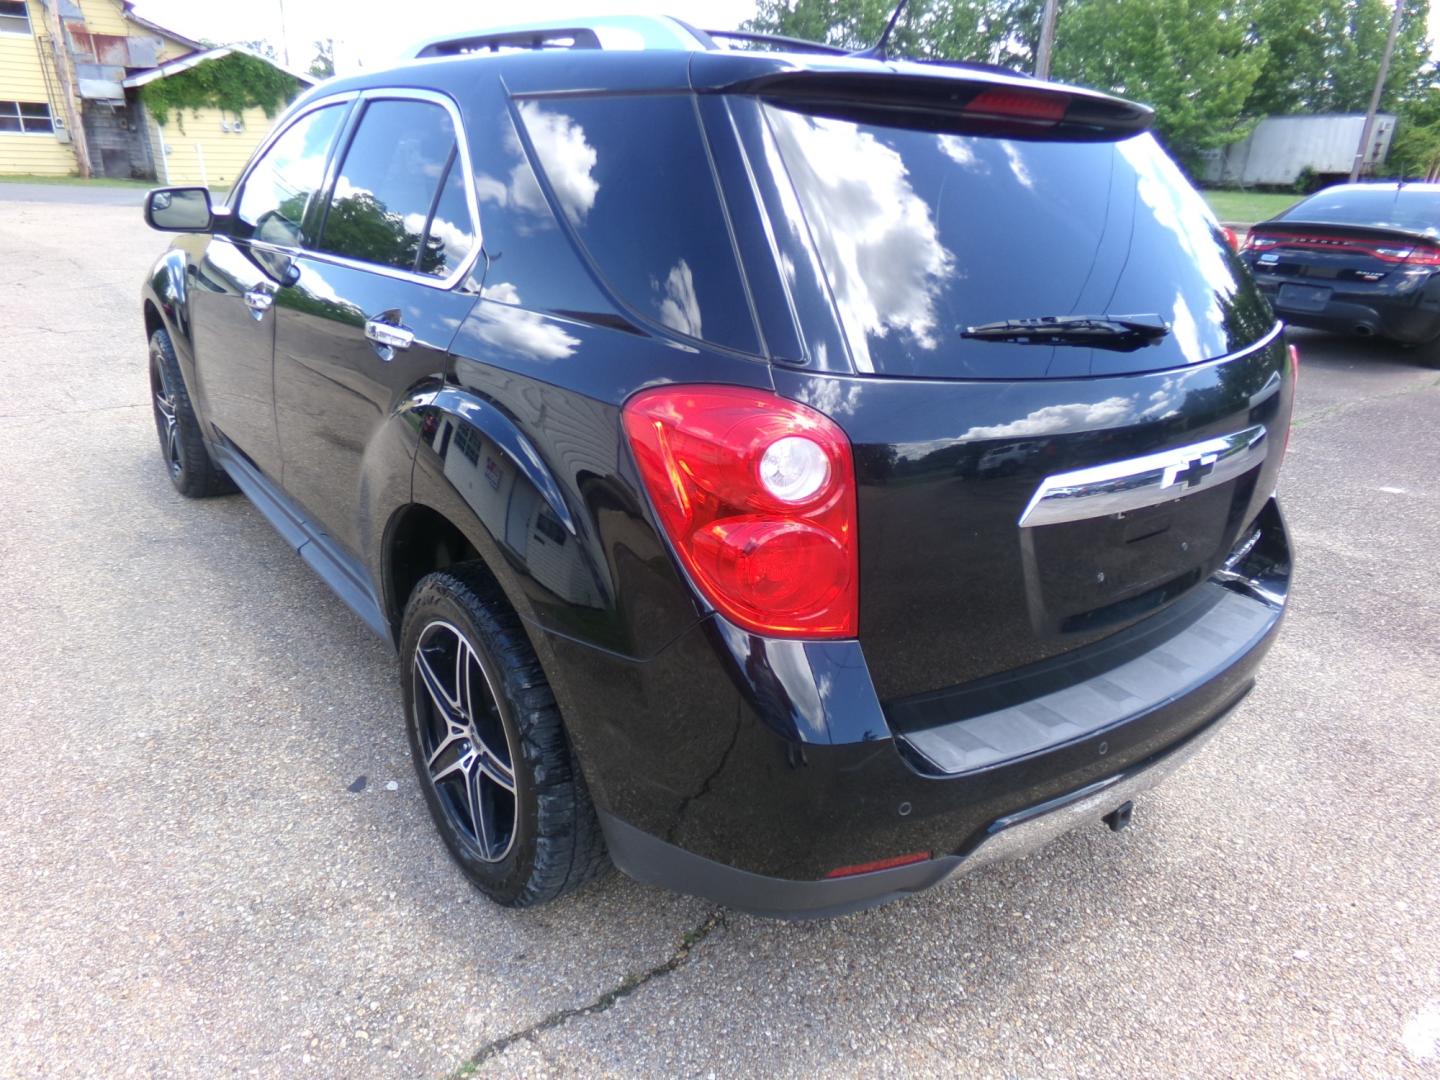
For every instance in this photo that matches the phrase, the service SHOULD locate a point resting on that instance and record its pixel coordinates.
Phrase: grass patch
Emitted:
(98, 181)
(1248, 207)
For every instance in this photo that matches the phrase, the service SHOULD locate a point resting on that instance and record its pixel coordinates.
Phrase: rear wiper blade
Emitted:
(1122, 333)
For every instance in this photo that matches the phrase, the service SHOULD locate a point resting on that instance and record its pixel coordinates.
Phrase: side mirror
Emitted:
(179, 209)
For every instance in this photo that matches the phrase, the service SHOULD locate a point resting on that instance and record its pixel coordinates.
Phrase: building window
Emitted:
(14, 19)
(28, 117)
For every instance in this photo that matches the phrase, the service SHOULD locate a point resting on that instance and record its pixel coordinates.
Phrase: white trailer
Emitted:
(1280, 148)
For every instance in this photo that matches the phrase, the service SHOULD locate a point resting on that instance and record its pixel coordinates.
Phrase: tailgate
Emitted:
(1005, 523)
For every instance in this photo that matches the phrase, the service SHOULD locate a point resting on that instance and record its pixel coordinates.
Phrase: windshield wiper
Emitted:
(1123, 333)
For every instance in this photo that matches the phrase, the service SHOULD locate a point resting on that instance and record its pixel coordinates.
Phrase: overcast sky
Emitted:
(371, 31)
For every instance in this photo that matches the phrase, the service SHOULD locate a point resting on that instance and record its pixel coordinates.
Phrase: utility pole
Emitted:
(1046, 45)
(60, 57)
(1380, 78)
(284, 35)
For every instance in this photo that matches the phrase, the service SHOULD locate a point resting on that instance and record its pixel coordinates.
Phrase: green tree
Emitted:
(1323, 55)
(996, 31)
(1195, 61)
(323, 66)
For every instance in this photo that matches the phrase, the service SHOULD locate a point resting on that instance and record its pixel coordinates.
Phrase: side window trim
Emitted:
(237, 193)
(460, 155)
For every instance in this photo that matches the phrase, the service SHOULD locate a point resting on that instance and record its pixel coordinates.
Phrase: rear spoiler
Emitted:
(1389, 232)
(949, 100)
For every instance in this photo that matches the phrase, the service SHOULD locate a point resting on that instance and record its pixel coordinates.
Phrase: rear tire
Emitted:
(191, 468)
(489, 745)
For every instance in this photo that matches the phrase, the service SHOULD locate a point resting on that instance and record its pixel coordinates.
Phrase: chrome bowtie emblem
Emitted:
(1189, 473)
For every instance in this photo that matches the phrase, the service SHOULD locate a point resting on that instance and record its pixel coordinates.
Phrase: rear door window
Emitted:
(632, 177)
(400, 198)
(923, 234)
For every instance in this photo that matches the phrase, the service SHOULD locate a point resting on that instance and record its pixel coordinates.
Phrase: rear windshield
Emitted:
(923, 235)
(1414, 210)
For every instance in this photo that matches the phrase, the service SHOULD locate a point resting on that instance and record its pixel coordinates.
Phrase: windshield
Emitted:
(923, 236)
(1387, 206)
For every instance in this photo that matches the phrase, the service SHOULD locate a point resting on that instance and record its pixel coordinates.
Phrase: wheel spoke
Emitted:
(480, 815)
(454, 736)
(444, 703)
(496, 769)
(457, 766)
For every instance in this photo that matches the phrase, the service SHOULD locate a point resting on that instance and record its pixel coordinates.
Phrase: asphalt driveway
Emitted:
(214, 859)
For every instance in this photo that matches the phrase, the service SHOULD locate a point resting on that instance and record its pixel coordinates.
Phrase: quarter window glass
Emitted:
(632, 178)
(272, 206)
(388, 187)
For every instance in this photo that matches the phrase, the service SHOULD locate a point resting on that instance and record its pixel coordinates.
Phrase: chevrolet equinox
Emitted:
(791, 476)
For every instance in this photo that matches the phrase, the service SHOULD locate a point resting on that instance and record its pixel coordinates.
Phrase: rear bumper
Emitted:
(746, 769)
(1411, 317)
(652, 861)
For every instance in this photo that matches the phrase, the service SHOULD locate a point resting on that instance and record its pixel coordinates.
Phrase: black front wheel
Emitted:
(192, 470)
(489, 747)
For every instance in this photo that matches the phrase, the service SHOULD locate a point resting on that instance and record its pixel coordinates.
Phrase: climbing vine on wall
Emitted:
(233, 82)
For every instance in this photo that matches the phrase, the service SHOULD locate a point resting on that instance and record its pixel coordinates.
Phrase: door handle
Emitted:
(259, 301)
(388, 336)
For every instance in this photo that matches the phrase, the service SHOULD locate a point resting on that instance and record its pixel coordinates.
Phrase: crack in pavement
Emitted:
(610, 998)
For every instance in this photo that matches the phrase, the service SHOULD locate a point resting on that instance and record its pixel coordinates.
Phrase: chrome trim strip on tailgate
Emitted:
(1144, 481)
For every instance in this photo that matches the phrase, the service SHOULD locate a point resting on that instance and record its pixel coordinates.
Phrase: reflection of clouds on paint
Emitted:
(1177, 208)
(511, 328)
(454, 239)
(568, 160)
(876, 236)
(835, 398)
(958, 149)
(1017, 165)
(1055, 419)
(680, 307)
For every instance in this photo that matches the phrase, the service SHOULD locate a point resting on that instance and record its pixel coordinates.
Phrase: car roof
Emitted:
(558, 71)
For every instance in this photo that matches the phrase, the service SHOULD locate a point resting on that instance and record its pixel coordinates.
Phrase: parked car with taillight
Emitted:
(1361, 259)
(793, 477)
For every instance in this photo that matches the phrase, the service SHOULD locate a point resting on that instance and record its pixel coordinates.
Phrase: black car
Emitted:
(791, 477)
(1360, 259)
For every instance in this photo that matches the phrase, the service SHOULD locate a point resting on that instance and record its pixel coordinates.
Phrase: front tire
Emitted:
(192, 470)
(489, 746)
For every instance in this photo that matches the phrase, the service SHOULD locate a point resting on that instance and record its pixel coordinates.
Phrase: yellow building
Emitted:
(64, 62)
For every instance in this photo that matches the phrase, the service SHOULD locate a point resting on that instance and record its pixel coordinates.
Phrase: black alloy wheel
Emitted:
(489, 745)
(466, 748)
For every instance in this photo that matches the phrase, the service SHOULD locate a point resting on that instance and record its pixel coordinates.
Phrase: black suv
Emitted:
(793, 477)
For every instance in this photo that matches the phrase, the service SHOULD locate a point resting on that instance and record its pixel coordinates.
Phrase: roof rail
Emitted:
(610, 32)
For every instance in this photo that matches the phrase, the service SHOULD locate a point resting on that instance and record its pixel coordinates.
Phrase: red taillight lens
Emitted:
(1230, 237)
(1424, 256)
(757, 495)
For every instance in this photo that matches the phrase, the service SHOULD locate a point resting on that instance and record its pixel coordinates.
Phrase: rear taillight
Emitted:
(1424, 256)
(1230, 237)
(757, 496)
(1006, 104)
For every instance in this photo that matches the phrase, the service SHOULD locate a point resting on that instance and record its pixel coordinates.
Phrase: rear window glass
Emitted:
(1413, 210)
(924, 234)
(632, 177)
